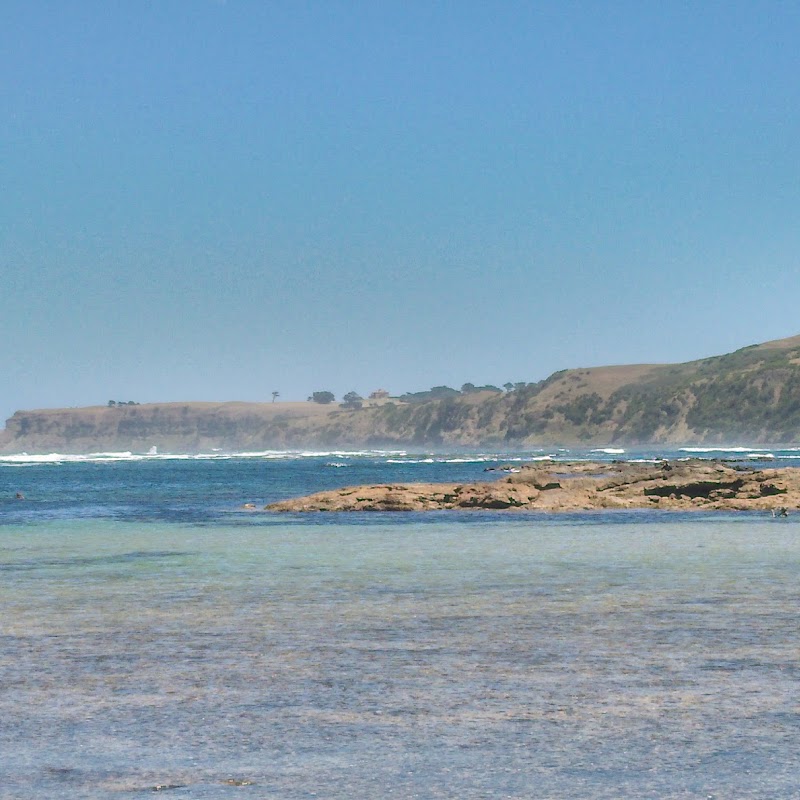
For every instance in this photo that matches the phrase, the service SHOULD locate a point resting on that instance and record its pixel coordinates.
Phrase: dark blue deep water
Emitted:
(157, 638)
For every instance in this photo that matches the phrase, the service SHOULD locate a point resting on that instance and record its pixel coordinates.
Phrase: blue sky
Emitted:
(215, 200)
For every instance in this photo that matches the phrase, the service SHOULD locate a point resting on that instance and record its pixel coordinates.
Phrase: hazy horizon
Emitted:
(280, 399)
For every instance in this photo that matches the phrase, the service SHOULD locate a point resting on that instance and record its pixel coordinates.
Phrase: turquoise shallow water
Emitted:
(517, 658)
(218, 654)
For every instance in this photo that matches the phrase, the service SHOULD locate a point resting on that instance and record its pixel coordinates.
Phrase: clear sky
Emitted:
(212, 200)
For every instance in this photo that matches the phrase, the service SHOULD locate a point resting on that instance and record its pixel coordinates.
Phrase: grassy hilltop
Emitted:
(750, 395)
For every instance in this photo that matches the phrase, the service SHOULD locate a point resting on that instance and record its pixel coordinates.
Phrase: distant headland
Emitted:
(752, 395)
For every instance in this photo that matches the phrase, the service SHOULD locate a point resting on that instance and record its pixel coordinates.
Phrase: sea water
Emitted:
(156, 637)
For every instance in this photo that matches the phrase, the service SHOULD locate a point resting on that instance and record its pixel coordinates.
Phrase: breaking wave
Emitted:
(715, 449)
(21, 459)
(343, 458)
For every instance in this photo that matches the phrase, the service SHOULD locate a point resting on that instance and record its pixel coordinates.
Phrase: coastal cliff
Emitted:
(750, 395)
(170, 427)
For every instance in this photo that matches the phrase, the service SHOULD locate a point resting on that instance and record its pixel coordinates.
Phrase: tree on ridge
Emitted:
(322, 397)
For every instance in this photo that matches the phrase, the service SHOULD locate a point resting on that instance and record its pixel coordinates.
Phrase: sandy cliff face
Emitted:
(751, 395)
(171, 427)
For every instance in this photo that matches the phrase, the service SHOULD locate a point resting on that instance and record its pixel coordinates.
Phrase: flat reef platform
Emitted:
(697, 484)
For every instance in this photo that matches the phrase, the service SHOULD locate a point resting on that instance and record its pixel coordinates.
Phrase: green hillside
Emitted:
(751, 395)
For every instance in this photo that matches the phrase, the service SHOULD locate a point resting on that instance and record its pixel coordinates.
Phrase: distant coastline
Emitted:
(751, 395)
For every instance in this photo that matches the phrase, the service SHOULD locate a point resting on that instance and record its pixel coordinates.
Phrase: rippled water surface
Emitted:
(221, 654)
(469, 658)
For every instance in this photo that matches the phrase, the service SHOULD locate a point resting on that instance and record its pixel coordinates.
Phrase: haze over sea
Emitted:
(156, 636)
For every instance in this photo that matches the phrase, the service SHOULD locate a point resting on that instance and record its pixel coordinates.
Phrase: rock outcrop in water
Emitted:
(580, 486)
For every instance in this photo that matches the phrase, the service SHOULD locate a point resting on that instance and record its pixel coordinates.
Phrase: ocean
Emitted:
(155, 637)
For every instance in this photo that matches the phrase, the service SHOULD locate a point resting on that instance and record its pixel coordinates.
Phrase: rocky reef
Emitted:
(580, 486)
